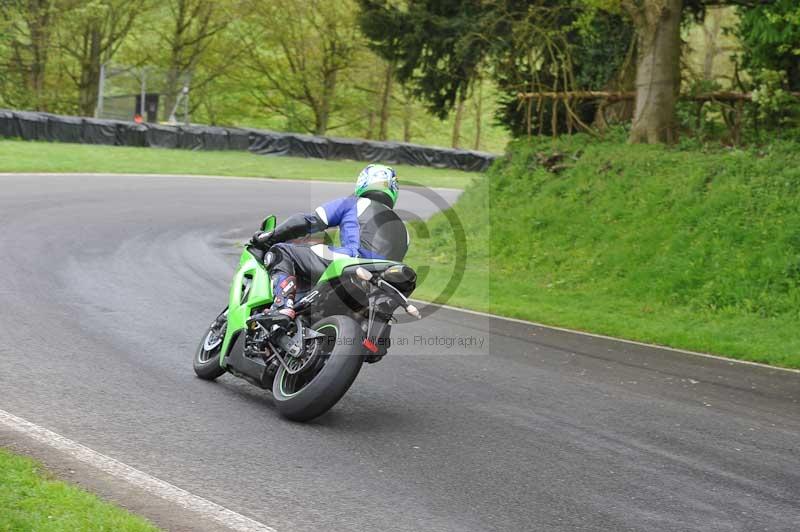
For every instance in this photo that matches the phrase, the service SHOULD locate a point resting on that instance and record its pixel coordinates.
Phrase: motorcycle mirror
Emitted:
(363, 274)
(269, 223)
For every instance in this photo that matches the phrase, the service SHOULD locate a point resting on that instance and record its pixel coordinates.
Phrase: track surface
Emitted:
(106, 284)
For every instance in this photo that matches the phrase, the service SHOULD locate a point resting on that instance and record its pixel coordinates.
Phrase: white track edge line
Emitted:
(605, 337)
(150, 484)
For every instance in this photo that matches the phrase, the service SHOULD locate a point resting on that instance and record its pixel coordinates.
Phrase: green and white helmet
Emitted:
(379, 178)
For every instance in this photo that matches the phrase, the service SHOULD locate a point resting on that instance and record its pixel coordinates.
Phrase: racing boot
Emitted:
(280, 314)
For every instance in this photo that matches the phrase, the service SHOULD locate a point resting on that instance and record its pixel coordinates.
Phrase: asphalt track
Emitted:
(107, 282)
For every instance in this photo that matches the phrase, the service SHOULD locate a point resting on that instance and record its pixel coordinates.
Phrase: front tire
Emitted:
(310, 394)
(206, 357)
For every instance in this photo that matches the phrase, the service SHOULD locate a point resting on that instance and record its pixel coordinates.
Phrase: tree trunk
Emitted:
(320, 123)
(323, 112)
(29, 45)
(459, 118)
(195, 24)
(94, 39)
(370, 125)
(711, 37)
(90, 74)
(657, 70)
(171, 94)
(408, 116)
(39, 25)
(478, 113)
(386, 100)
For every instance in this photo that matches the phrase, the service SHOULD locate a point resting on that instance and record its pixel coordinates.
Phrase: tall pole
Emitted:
(98, 110)
(186, 104)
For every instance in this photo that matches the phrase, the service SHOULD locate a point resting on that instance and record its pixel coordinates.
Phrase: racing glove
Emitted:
(263, 239)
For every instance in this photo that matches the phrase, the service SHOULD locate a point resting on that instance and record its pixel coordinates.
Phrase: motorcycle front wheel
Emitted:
(206, 358)
(309, 394)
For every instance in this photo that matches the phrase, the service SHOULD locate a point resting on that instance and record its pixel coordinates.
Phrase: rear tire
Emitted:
(300, 399)
(206, 357)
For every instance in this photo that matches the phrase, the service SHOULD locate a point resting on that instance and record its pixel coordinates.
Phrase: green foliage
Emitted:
(601, 46)
(775, 106)
(689, 248)
(28, 36)
(770, 35)
(579, 49)
(388, 28)
(301, 56)
(546, 45)
(252, 63)
(31, 501)
(435, 44)
(702, 121)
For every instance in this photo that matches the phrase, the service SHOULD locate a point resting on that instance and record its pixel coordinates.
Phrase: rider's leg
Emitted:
(290, 262)
(284, 282)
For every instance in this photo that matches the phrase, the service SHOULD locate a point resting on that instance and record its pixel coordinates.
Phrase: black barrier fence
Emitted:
(57, 128)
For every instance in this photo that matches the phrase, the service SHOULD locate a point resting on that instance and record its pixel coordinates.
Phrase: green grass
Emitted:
(31, 501)
(21, 156)
(688, 248)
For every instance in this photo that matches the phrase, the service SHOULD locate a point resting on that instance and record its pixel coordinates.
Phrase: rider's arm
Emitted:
(298, 225)
(330, 214)
(342, 213)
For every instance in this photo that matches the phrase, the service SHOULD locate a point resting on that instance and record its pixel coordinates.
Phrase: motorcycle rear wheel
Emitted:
(310, 394)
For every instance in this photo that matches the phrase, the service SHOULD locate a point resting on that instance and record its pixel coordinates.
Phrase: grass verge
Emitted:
(690, 248)
(21, 156)
(31, 501)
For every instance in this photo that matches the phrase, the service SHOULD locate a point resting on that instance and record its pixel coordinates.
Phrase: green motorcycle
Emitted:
(342, 322)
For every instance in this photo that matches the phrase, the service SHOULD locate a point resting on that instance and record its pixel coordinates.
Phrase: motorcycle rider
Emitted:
(368, 228)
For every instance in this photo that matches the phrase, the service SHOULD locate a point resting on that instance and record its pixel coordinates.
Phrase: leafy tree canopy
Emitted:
(435, 43)
(770, 34)
(441, 47)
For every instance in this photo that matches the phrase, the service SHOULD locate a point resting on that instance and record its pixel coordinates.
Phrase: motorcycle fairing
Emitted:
(251, 289)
